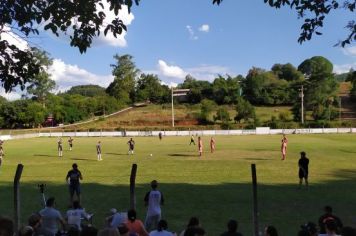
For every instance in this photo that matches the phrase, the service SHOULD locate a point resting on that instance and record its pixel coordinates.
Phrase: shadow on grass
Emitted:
(347, 151)
(43, 155)
(117, 154)
(82, 159)
(282, 205)
(182, 155)
(257, 159)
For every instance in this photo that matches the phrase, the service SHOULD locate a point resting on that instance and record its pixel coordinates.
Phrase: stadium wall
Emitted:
(257, 131)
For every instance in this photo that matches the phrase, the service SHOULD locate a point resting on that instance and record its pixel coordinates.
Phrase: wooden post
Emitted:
(17, 196)
(255, 205)
(132, 186)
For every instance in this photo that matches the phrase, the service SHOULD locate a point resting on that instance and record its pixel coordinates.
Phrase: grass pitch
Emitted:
(214, 188)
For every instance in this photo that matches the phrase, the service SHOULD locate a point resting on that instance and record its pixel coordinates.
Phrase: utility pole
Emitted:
(302, 102)
(340, 109)
(172, 110)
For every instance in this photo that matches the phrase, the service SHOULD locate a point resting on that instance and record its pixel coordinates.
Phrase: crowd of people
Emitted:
(49, 222)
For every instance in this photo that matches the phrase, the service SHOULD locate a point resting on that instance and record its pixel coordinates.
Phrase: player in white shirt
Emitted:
(162, 230)
(153, 201)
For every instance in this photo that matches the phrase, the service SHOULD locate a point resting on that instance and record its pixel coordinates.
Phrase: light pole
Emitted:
(302, 102)
(177, 93)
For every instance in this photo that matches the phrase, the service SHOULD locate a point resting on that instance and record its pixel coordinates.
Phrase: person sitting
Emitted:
(308, 229)
(193, 222)
(135, 225)
(109, 232)
(89, 231)
(76, 214)
(330, 228)
(161, 229)
(116, 218)
(6, 227)
(231, 229)
(271, 231)
(195, 231)
(35, 221)
(328, 215)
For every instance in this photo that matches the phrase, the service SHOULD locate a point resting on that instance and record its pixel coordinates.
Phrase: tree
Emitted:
(287, 72)
(149, 87)
(41, 85)
(89, 90)
(199, 89)
(244, 110)
(351, 77)
(207, 107)
(125, 73)
(223, 115)
(321, 88)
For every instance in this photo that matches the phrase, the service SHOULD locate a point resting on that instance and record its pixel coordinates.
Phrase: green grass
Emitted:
(215, 188)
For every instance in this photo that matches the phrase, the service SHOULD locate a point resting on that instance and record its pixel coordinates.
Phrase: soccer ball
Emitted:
(150, 154)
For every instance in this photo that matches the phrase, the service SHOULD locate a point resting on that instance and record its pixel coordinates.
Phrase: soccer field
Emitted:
(215, 188)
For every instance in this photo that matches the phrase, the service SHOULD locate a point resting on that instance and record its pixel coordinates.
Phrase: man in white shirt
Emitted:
(76, 214)
(162, 230)
(51, 217)
(153, 201)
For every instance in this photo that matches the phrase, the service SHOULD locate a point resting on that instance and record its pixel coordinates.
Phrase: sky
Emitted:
(179, 37)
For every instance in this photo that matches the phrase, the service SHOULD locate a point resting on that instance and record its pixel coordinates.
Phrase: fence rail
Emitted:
(257, 131)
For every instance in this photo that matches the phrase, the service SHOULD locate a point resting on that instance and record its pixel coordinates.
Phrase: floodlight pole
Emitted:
(172, 110)
(302, 97)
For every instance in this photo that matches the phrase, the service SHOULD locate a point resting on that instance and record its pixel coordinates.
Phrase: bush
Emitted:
(226, 126)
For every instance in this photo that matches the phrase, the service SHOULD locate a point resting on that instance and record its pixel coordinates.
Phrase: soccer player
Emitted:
(303, 164)
(153, 201)
(160, 135)
(70, 142)
(73, 177)
(284, 147)
(60, 147)
(98, 151)
(192, 141)
(131, 144)
(200, 146)
(212, 144)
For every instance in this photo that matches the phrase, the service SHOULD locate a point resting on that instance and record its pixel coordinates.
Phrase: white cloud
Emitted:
(109, 39)
(11, 38)
(208, 72)
(191, 32)
(204, 28)
(171, 71)
(67, 76)
(339, 69)
(14, 95)
(349, 51)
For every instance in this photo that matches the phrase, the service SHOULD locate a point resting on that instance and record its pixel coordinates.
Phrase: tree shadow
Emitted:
(182, 155)
(43, 155)
(282, 205)
(83, 159)
(117, 154)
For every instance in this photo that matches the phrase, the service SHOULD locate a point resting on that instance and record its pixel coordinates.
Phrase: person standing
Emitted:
(153, 200)
(192, 141)
(284, 147)
(131, 144)
(51, 217)
(2, 153)
(160, 136)
(73, 177)
(98, 151)
(60, 147)
(303, 164)
(200, 146)
(212, 144)
(70, 142)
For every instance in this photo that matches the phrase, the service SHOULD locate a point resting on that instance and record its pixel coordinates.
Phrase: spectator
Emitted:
(308, 229)
(26, 231)
(327, 216)
(330, 228)
(6, 227)
(161, 229)
(135, 226)
(153, 201)
(231, 229)
(51, 217)
(35, 221)
(89, 231)
(73, 177)
(270, 231)
(123, 230)
(116, 218)
(73, 231)
(195, 231)
(193, 222)
(76, 214)
(109, 232)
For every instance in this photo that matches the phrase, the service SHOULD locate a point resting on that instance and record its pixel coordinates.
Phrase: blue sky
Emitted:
(172, 38)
